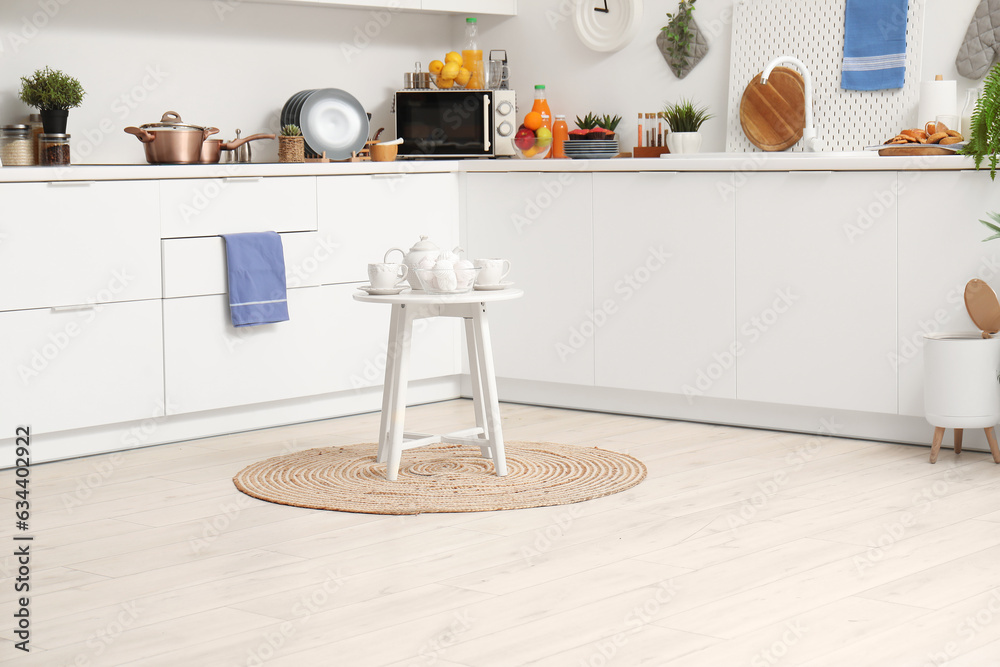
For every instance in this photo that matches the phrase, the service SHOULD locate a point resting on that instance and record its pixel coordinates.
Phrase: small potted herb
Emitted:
(291, 145)
(53, 94)
(685, 121)
(681, 41)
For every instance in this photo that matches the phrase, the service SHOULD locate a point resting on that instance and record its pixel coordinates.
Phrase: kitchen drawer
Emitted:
(73, 243)
(211, 364)
(212, 206)
(74, 368)
(367, 215)
(197, 266)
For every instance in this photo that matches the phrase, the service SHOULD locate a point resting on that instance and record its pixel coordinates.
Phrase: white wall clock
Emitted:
(607, 25)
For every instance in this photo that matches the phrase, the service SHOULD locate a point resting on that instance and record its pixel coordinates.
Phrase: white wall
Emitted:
(233, 64)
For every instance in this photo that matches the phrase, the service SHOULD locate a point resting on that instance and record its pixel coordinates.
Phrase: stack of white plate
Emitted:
(331, 120)
(590, 149)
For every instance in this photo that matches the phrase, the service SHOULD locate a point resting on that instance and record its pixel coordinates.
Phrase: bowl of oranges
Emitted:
(451, 72)
(533, 139)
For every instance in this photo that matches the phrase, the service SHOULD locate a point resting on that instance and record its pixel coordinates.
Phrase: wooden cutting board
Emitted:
(773, 115)
(916, 150)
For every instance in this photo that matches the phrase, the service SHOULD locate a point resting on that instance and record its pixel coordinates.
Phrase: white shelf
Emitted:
(495, 7)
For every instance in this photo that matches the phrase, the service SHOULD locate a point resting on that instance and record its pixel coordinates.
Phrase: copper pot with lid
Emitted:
(172, 141)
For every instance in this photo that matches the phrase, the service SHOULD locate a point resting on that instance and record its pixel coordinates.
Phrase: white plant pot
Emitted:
(961, 387)
(684, 142)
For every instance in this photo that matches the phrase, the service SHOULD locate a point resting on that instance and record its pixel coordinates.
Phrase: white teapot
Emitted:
(423, 255)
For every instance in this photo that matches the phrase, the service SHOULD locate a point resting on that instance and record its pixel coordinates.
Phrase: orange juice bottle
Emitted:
(472, 57)
(541, 105)
(560, 135)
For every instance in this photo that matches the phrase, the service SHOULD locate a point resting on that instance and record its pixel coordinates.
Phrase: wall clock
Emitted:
(607, 25)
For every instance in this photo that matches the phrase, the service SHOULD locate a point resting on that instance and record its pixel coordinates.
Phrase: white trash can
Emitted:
(961, 386)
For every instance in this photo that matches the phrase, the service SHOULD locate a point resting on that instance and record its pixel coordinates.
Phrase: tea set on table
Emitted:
(429, 269)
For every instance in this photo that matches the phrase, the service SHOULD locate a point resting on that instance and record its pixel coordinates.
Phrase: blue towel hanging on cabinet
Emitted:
(255, 265)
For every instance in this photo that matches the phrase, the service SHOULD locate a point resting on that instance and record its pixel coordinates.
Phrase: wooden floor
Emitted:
(742, 547)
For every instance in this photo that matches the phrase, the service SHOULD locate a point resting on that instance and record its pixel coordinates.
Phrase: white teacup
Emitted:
(386, 275)
(492, 271)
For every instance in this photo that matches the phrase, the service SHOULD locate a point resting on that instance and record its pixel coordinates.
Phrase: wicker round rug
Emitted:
(440, 478)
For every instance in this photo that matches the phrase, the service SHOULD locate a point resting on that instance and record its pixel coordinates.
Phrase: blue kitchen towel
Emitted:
(874, 44)
(256, 267)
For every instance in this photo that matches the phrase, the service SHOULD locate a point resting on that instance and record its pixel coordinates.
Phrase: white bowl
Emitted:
(447, 281)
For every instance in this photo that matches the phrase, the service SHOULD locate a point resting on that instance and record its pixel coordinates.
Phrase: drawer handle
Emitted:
(815, 173)
(69, 309)
(388, 175)
(70, 184)
(243, 179)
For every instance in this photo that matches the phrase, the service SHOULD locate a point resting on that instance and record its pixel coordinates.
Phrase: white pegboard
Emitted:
(813, 32)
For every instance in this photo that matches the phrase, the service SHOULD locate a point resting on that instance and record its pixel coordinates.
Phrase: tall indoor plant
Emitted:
(53, 94)
(685, 121)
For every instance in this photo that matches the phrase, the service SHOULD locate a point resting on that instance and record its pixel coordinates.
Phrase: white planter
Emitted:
(961, 389)
(683, 142)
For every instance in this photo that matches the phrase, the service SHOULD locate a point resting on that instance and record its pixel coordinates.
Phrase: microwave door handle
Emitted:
(486, 123)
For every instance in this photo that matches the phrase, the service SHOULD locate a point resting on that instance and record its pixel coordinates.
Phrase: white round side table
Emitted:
(413, 305)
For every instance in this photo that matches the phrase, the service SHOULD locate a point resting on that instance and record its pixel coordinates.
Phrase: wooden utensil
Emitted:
(773, 114)
(984, 309)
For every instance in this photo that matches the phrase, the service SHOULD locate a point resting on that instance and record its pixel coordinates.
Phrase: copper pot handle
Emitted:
(208, 131)
(171, 117)
(239, 142)
(144, 136)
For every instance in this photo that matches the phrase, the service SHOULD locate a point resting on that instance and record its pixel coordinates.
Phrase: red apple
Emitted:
(524, 139)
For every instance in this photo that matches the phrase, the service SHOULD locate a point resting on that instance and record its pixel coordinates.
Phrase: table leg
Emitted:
(389, 385)
(398, 406)
(477, 386)
(484, 350)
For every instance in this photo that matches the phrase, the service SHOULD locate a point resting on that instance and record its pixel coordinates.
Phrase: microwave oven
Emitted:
(455, 123)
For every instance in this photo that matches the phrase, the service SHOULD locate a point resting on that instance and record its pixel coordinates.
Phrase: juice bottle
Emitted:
(472, 56)
(541, 105)
(560, 135)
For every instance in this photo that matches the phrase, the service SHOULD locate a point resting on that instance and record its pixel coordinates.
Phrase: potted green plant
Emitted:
(681, 41)
(53, 94)
(685, 121)
(291, 144)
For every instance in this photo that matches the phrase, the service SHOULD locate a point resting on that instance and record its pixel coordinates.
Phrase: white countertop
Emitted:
(736, 162)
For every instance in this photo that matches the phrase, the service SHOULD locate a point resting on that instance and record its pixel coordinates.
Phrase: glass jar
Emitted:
(971, 98)
(35, 122)
(15, 146)
(54, 149)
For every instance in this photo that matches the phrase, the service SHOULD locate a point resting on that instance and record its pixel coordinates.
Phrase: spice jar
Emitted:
(15, 146)
(54, 149)
(35, 123)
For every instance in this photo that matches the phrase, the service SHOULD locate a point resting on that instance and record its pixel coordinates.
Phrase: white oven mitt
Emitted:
(981, 46)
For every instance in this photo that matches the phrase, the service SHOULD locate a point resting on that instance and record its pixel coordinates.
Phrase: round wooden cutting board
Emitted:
(773, 115)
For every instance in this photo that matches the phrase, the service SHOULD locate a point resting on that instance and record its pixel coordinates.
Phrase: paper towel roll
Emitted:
(936, 98)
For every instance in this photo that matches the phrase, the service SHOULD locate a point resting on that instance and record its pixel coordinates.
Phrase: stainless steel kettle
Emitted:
(242, 153)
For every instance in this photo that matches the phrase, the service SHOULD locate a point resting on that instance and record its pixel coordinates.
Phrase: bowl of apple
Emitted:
(533, 140)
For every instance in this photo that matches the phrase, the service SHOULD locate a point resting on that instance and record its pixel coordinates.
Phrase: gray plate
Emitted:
(334, 121)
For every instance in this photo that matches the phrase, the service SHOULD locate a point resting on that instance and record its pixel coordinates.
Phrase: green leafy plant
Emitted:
(679, 34)
(588, 122)
(608, 122)
(993, 227)
(291, 131)
(683, 116)
(49, 89)
(985, 135)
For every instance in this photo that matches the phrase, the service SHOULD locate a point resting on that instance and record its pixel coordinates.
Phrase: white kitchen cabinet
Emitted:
(665, 282)
(542, 223)
(211, 364)
(364, 216)
(940, 250)
(472, 8)
(816, 289)
(68, 368)
(75, 242)
(213, 206)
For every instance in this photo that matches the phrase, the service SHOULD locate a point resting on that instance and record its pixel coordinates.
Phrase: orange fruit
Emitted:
(533, 120)
(444, 83)
(454, 57)
(450, 71)
(463, 76)
(435, 67)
